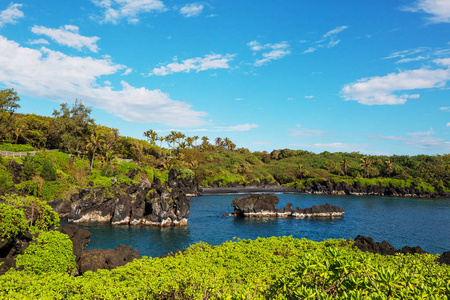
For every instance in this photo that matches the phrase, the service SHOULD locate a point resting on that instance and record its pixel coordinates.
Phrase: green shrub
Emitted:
(12, 221)
(29, 167)
(6, 179)
(50, 252)
(16, 148)
(50, 190)
(187, 173)
(48, 171)
(33, 209)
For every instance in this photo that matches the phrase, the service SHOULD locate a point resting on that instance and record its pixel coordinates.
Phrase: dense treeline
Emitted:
(88, 151)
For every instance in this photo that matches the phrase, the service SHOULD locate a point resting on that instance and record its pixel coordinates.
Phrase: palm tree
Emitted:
(161, 140)
(151, 135)
(189, 141)
(226, 143)
(388, 167)
(345, 164)
(301, 171)
(195, 137)
(219, 142)
(94, 142)
(366, 164)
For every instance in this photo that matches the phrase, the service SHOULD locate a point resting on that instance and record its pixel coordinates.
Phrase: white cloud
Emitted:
(243, 127)
(310, 50)
(115, 10)
(448, 124)
(422, 141)
(392, 88)
(328, 40)
(210, 61)
(68, 36)
(55, 76)
(239, 99)
(309, 97)
(127, 71)
(334, 146)
(11, 14)
(445, 108)
(191, 10)
(334, 31)
(306, 133)
(276, 51)
(39, 42)
(438, 9)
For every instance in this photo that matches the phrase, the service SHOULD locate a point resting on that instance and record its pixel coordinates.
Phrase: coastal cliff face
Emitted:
(264, 205)
(144, 203)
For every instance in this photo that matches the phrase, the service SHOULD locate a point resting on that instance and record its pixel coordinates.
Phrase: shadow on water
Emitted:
(400, 221)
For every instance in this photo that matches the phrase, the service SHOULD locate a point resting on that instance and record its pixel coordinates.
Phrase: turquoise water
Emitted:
(400, 221)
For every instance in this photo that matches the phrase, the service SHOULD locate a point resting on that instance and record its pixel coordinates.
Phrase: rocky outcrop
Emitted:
(444, 258)
(264, 205)
(92, 260)
(10, 248)
(367, 244)
(144, 203)
(342, 188)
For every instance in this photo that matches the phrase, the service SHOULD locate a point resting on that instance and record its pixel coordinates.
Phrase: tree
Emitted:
(301, 171)
(189, 141)
(8, 105)
(388, 167)
(366, 164)
(219, 142)
(345, 164)
(152, 136)
(94, 142)
(73, 125)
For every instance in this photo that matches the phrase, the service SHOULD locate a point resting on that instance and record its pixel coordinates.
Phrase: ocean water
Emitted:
(400, 221)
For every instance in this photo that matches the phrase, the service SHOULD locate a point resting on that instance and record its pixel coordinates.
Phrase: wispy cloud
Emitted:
(447, 108)
(38, 42)
(275, 51)
(197, 64)
(115, 10)
(334, 146)
(448, 124)
(306, 133)
(422, 141)
(242, 127)
(439, 10)
(328, 40)
(53, 75)
(11, 14)
(191, 10)
(68, 36)
(309, 97)
(393, 88)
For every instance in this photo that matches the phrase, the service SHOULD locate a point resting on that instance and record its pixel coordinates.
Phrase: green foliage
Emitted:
(16, 148)
(6, 180)
(187, 173)
(50, 252)
(48, 171)
(29, 167)
(37, 213)
(50, 190)
(270, 268)
(12, 221)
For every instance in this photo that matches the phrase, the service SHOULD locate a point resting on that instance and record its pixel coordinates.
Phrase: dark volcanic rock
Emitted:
(62, 207)
(10, 249)
(367, 244)
(444, 258)
(256, 204)
(343, 188)
(92, 260)
(139, 203)
(80, 238)
(263, 205)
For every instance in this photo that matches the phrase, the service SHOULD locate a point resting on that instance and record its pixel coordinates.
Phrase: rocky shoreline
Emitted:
(143, 203)
(328, 187)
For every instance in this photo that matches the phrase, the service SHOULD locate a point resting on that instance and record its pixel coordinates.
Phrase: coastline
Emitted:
(326, 190)
(248, 189)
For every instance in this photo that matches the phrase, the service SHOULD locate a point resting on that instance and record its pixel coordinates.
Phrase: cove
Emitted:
(400, 221)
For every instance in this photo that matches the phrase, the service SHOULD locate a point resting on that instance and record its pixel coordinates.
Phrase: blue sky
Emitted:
(365, 76)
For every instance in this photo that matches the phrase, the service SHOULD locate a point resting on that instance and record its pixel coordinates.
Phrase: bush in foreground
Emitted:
(272, 268)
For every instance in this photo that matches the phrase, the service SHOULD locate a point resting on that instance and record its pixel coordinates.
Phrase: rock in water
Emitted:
(264, 205)
(140, 203)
